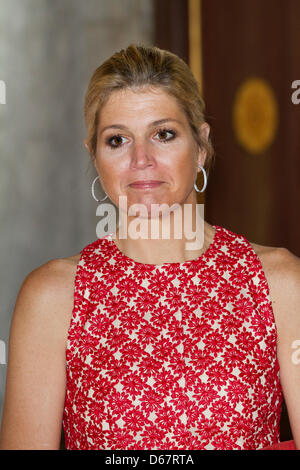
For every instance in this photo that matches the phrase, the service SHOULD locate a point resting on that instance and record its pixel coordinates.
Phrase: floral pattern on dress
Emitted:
(172, 356)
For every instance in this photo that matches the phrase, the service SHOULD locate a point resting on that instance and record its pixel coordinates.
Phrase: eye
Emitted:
(117, 138)
(110, 140)
(166, 131)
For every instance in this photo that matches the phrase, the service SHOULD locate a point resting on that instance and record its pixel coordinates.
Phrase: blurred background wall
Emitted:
(245, 56)
(48, 51)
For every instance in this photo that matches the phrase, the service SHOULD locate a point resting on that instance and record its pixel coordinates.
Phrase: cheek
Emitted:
(109, 173)
(113, 182)
(186, 167)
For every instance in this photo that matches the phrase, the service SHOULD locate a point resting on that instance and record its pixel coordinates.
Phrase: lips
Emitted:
(146, 184)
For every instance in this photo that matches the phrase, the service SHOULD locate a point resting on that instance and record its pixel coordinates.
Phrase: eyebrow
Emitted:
(154, 123)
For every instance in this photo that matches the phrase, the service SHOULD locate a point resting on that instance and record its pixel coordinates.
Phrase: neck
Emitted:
(178, 236)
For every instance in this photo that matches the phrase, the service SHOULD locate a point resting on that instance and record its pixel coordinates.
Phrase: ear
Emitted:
(204, 132)
(85, 141)
(86, 145)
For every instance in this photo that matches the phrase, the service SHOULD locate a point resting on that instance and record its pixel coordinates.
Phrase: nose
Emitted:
(141, 155)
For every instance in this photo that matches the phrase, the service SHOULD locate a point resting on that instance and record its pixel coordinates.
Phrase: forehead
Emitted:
(140, 100)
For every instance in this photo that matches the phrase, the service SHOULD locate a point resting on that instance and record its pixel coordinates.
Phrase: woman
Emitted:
(139, 343)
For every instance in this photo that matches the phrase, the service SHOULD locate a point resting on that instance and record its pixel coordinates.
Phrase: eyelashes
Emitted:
(109, 141)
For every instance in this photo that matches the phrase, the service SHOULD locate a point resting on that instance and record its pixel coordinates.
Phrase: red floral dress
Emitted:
(172, 356)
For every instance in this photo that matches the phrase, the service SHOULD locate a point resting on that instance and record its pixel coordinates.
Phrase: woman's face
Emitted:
(144, 135)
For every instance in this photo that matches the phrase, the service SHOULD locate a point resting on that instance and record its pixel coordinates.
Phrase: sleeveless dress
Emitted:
(172, 356)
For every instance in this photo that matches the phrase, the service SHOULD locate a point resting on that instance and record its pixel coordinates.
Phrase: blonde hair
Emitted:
(139, 66)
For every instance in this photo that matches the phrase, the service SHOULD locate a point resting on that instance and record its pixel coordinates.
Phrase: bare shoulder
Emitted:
(56, 273)
(36, 368)
(282, 271)
(278, 261)
(49, 288)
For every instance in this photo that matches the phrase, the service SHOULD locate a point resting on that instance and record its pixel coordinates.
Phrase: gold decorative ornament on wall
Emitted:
(255, 115)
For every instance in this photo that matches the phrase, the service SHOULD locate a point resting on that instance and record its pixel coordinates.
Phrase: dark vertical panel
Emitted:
(253, 194)
(291, 150)
(171, 26)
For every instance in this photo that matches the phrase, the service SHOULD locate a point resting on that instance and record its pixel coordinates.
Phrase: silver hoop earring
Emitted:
(205, 181)
(93, 191)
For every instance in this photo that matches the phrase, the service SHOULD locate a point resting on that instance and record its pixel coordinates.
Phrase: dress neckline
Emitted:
(183, 264)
